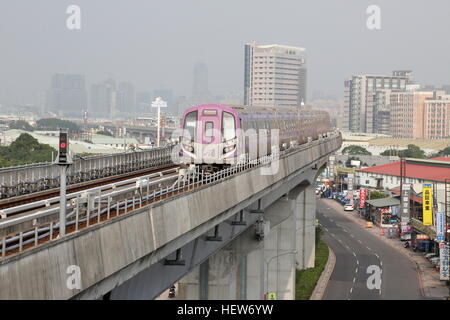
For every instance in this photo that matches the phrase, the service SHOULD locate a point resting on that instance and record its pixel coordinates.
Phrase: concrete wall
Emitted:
(105, 249)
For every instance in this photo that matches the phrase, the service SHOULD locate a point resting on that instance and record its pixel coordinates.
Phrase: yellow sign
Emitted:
(272, 296)
(427, 203)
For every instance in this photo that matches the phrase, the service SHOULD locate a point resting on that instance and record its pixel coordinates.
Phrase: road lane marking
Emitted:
(369, 248)
(354, 254)
(354, 279)
(357, 262)
(356, 270)
(376, 255)
(352, 235)
(359, 241)
(351, 289)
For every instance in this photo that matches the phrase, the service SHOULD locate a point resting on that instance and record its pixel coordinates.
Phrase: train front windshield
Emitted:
(190, 124)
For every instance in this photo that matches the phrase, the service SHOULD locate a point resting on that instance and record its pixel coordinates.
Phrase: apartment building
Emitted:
(275, 75)
(364, 97)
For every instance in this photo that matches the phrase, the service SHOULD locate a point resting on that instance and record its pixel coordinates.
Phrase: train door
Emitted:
(209, 126)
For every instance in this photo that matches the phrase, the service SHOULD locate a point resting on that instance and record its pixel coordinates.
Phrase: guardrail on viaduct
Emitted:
(22, 180)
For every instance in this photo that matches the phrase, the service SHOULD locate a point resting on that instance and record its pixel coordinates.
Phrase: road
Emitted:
(360, 257)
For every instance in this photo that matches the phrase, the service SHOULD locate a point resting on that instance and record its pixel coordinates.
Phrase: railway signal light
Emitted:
(63, 147)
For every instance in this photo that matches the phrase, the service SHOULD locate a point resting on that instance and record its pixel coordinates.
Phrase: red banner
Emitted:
(362, 198)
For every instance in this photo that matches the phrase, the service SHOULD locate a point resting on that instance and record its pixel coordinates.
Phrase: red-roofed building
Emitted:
(387, 176)
(418, 171)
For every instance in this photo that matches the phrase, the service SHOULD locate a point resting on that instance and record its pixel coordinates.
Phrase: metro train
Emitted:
(218, 135)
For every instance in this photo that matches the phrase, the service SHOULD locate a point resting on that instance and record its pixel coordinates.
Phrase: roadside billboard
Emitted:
(427, 204)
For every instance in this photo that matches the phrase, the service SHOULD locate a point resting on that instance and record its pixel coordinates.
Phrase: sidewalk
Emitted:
(432, 287)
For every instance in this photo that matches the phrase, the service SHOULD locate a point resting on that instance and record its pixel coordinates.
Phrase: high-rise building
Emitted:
(67, 95)
(364, 98)
(419, 114)
(437, 116)
(143, 102)
(275, 75)
(407, 113)
(126, 99)
(200, 85)
(103, 99)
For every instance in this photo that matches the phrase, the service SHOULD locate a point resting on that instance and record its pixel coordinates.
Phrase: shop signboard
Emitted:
(394, 210)
(440, 222)
(362, 198)
(332, 159)
(444, 255)
(427, 206)
(350, 182)
(404, 214)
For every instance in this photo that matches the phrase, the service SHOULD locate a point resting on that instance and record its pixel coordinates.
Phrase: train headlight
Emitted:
(231, 142)
(187, 146)
(228, 149)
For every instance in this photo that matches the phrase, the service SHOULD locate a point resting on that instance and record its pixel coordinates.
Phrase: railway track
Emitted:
(54, 192)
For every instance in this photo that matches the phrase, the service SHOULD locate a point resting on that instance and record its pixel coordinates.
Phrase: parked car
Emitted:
(435, 261)
(349, 207)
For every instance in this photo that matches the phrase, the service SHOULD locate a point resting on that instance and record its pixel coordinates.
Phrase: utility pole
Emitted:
(159, 103)
(63, 161)
(402, 176)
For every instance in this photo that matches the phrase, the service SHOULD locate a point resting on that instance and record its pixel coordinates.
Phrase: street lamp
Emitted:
(159, 103)
(267, 266)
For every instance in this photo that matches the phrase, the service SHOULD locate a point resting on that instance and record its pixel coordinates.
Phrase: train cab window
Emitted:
(209, 128)
(190, 124)
(228, 126)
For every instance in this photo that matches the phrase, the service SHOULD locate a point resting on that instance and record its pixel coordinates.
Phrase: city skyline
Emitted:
(337, 41)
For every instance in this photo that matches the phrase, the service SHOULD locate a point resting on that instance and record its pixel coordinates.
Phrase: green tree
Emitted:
(412, 151)
(21, 125)
(444, 152)
(389, 152)
(55, 124)
(24, 150)
(356, 150)
(377, 195)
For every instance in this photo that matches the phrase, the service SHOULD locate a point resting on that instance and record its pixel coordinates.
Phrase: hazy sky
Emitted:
(154, 44)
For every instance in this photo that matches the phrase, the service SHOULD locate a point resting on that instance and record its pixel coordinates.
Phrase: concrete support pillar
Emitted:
(279, 250)
(306, 230)
(218, 278)
(248, 269)
(189, 285)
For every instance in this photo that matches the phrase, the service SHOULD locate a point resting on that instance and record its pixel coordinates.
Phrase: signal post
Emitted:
(63, 161)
